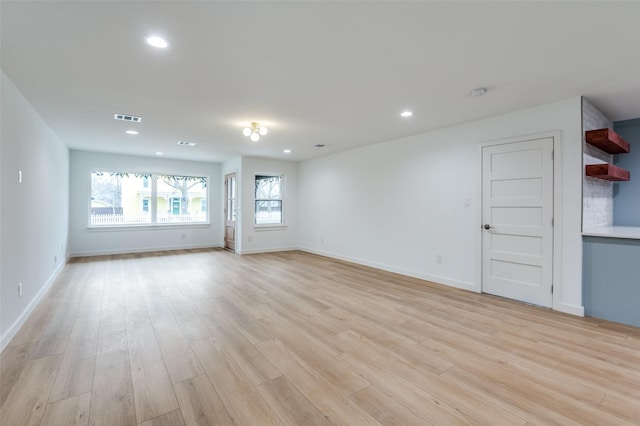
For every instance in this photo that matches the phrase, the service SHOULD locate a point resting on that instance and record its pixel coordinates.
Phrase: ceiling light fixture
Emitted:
(480, 91)
(287, 151)
(406, 114)
(131, 132)
(156, 41)
(254, 131)
(159, 153)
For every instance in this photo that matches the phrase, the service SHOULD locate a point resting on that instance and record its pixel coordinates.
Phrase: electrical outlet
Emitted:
(183, 235)
(249, 239)
(55, 259)
(19, 289)
(322, 240)
(438, 258)
(467, 202)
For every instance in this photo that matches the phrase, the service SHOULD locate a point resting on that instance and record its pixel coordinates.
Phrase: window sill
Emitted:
(146, 227)
(279, 227)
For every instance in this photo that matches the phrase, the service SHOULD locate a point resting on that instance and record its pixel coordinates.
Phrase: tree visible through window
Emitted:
(183, 195)
(122, 198)
(268, 196)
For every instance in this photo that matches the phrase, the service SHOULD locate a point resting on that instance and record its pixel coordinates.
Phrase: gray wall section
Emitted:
(611, 279)
(626, 201)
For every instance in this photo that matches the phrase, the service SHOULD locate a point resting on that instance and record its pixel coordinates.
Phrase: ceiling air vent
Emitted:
(319, 145)
(125, 117)
(185, 143)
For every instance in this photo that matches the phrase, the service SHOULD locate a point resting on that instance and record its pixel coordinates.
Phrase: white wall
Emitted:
(34, 213)
(86, 241)
(398, 204)
(255, 239)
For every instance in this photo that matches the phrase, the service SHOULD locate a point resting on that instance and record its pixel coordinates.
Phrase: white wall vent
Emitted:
(185, 143)
(126, 117)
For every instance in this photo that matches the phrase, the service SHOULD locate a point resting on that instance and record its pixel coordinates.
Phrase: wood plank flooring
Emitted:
(209, 337)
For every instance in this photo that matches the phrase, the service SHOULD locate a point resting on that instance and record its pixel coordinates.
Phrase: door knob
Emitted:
(487, 226)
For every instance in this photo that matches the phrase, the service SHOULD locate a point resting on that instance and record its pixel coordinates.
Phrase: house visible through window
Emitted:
(115, 199)
(268, 197)
(124, 198)
(179, 199)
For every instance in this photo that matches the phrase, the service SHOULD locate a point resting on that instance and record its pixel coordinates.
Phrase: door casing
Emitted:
(230, 202)
(557, 209)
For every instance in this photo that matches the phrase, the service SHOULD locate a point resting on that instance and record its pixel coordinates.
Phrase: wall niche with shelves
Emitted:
(609, 142)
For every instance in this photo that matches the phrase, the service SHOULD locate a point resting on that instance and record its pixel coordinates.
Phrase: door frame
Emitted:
(224, 207)
(556, 269)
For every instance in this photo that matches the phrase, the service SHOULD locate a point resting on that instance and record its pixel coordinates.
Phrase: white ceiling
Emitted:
(336, 73)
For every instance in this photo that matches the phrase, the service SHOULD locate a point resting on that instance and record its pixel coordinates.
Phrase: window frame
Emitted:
(270, 226)
(152, 178)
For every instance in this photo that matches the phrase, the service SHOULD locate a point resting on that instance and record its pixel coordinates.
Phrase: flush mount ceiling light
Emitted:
(131, 132)
(406, 114)
(156, 41)
(287, 151)
(254, 131)
(159, 153)
(480, 91)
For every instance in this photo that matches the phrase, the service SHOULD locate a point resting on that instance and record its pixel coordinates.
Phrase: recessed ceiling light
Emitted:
(159, 153)
(406, 114)
(287, 151)
(185, 143)
(131, 132)
(480, 91)
(157, 41)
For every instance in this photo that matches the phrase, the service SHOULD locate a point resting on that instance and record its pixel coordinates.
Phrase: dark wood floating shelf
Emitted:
(607, 172)
(607, 140)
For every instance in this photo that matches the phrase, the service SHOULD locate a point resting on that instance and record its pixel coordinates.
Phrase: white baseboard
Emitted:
(270, 250)
(562, 307)
(570, 309)
(427, 277)
(141, 250)
(15, 327)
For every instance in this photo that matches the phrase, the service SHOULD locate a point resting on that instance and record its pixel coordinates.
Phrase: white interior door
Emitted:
(517, 212)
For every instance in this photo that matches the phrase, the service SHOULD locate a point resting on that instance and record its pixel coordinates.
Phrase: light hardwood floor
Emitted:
(210, 337)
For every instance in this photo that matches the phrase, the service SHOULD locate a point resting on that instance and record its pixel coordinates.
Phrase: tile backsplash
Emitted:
(597, 194)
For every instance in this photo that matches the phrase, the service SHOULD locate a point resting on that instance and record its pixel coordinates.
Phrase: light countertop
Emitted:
(630, 232)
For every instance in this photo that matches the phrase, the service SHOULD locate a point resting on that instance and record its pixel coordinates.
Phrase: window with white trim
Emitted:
(130, 199)
(268, 199)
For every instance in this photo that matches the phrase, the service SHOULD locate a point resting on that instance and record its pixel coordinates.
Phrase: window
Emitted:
(268, 200)
(115, 199)
(181, 192)
(203, 205)
(123, 198)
